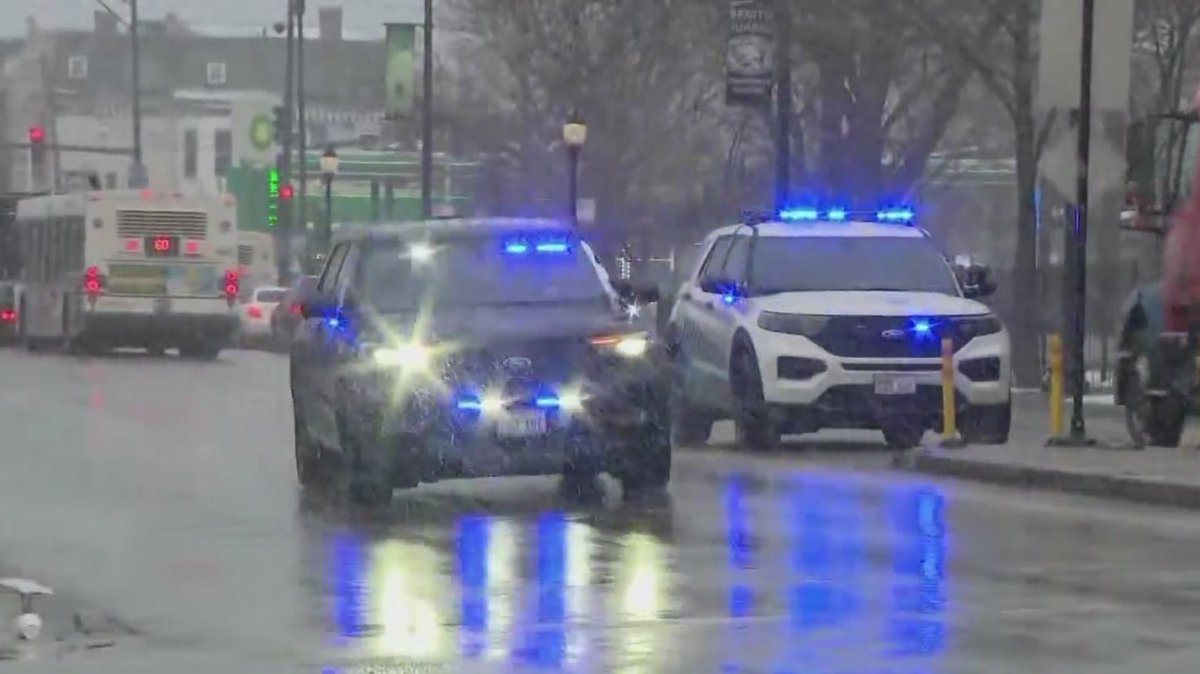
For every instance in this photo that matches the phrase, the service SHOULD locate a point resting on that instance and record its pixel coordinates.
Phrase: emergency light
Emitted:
(899, 215)
(523, 246)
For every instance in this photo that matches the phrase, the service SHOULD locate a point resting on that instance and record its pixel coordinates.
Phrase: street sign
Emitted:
(749, 53)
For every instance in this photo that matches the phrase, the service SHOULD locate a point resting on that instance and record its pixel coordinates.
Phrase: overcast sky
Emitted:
(363, 19)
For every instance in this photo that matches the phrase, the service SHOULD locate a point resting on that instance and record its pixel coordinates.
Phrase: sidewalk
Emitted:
(1158, 476)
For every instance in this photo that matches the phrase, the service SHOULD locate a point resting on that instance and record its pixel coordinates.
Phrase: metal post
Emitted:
(783, 104)
(138, 173)
(573, 185)
(427, 117)
(1078, 327)
(301, 120)
(283, 222)
(327, 235)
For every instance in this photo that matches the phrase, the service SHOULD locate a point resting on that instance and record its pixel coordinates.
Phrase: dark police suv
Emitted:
(473, 348)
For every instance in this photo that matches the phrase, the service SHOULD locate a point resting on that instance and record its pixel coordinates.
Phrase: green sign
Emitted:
(262, 132)
(401, 59)
(272, 196)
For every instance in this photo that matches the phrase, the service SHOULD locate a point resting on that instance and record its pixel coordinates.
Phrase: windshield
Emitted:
(789, 264)
(476, 273)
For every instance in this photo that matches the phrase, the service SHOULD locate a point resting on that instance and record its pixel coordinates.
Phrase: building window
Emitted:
(215, 73)
(190, 150)
(222, 151)
(77, 67)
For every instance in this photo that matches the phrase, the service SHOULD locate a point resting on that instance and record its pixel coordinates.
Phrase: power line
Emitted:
(110, 10)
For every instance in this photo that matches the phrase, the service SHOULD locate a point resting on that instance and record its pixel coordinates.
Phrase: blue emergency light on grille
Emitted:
(547, 246)
(898, 215)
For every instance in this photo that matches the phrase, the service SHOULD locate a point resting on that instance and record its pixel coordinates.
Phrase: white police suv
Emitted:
(833, 319)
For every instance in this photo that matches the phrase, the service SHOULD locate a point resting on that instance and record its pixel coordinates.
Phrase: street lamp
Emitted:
(575, 133)
(329, 169)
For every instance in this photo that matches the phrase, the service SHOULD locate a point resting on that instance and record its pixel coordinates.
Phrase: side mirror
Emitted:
(977, 281)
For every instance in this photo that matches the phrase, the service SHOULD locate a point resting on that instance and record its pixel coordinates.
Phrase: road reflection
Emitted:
(821, 574)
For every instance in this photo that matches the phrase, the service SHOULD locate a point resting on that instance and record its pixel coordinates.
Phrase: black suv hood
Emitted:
(481, 325)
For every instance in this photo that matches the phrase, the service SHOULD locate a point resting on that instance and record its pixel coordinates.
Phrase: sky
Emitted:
(363, 18)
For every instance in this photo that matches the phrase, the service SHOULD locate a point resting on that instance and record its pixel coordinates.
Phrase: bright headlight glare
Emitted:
(404, 355)
(491, 404)
(632, 347)
(571, 401)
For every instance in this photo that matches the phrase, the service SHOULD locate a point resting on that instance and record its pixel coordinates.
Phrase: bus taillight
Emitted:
(231, 285)
(133, 245)
(93, 282)
(191, 247)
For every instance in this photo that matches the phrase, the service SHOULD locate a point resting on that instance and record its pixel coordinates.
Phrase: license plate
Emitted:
(893, 385)
(521, 425)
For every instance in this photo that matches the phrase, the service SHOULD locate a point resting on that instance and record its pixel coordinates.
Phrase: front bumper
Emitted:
(443, 434)
(841, 392)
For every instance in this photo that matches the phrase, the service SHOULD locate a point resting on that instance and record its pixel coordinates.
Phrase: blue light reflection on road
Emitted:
(543, 637)
(919, 595)
(348, 573)
(472, 543)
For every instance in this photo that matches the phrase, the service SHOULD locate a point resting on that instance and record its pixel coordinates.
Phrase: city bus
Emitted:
(129, 268)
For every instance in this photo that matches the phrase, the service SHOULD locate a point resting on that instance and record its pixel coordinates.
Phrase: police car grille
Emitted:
(883, 337)
(539, 360)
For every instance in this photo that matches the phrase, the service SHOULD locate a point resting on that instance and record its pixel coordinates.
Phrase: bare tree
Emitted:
(1008, 67)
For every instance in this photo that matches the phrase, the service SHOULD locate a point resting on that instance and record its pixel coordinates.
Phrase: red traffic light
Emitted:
(37, 133)
(285, 192)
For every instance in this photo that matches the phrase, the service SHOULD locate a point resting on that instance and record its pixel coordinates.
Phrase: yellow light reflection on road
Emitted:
(643, 569)
(404, 577)
(578, 590)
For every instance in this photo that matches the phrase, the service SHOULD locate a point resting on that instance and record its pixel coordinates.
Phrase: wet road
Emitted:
(163, 491)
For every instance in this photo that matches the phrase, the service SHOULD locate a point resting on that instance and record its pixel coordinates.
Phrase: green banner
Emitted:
(399, 74)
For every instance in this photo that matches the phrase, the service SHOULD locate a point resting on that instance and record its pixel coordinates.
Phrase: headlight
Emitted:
(970, 327)
(409, 356)
(626, 346)
(792, 324)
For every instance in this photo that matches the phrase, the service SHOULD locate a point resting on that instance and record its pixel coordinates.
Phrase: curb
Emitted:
(1120, 487)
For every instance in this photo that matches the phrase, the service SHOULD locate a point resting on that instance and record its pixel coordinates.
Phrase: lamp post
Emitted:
(329, 169)
(575, 133)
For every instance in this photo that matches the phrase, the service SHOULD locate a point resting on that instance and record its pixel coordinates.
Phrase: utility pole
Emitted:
(783, 104)
(283, 223)
(1078, 433)
(427, 117)
(302, 130)
(137, 174)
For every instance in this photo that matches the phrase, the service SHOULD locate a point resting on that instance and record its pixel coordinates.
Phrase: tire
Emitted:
(72, 346)
(751, 416)
(363, 481)
(200, 352)
(31, 344)
(1155, 421)
(309, 464)
(648, 464)
(689, 426)
(903, 437)
(987, 424)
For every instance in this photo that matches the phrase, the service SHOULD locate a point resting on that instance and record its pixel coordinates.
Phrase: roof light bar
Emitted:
(899, 215)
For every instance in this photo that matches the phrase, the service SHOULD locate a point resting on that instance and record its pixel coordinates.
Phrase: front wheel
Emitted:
(1152, 420)
(752, 419)
(987, 424)
(648, 467)
(362, 474)
(200, 351)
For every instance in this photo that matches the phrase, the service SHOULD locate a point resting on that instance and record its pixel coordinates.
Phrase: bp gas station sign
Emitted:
(262, 132)
(253, 132)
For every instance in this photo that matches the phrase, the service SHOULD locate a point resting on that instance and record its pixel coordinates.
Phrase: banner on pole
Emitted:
(399, 70)
(750, 53)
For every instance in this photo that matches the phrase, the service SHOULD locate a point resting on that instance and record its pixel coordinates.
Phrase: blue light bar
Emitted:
(895, 215)
(799, 214)
(547, 402)
(842, 214)
(523, 246)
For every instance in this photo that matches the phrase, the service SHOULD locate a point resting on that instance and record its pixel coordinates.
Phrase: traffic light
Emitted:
(281, 123)
(37, 156)
(286, 192)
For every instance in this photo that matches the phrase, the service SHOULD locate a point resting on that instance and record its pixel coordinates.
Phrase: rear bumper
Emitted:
(141, 329)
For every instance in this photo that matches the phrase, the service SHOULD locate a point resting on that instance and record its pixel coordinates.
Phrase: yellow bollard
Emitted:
(949, 411)
(1055, 349)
